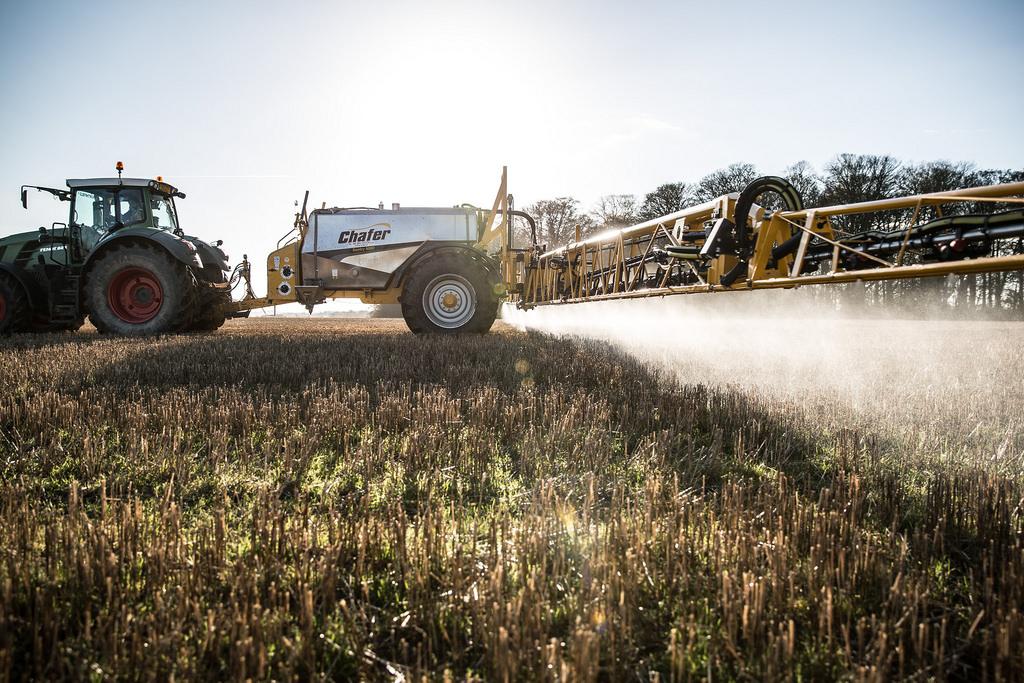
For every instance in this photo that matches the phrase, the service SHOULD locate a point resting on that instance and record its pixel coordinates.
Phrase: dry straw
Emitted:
(273, 502)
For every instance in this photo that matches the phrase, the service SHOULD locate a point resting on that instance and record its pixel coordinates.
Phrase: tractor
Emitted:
(122, 259)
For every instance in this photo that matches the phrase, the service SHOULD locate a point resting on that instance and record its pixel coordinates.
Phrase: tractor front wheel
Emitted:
(139, 290)
(448, 294)
(13, 306)
(211, 310)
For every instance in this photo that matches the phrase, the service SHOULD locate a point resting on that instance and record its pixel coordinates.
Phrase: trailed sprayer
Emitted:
(444, 265)
(761, 237)
(123, 260)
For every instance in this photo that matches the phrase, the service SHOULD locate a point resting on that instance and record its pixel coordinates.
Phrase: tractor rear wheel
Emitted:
(449, 294)
(139, 290)
(13, 306)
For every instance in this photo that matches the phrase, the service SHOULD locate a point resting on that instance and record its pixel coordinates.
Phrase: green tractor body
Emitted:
(121, 259)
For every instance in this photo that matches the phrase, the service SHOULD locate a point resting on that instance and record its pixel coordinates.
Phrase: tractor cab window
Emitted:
(94, 209)
(132, 209)
(94, 213)
(163, 213)
(102, 210)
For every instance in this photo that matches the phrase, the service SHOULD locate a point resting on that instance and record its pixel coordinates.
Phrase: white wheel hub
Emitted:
(449, 301)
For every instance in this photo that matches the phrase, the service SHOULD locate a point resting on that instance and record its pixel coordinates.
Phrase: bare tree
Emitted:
(851, 178)
(558, 220)
(993, 176)
(732, 178)
(668, 198)
(807, 182)
(937, 176)
(861, 177)
(615, 211)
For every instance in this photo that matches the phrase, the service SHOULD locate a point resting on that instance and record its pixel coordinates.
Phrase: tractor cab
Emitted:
(101, 206)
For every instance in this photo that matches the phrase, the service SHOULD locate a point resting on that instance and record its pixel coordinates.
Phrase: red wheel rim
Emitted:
(135, 295)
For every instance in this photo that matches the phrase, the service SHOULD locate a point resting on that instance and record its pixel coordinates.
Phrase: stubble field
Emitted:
(329, 499)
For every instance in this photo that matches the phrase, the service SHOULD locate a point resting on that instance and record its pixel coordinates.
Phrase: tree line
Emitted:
(847, 178)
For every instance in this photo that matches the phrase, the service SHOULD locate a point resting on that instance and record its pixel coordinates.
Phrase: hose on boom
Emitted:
(751, 193)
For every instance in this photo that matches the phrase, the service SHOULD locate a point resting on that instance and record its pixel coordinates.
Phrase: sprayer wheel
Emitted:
(449, 294)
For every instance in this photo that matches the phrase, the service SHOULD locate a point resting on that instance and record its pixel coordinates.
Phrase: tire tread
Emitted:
(439, 263)
(180, 279)
(17, 317)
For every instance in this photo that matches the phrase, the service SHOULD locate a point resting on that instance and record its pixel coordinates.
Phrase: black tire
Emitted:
(210, 310)
(14, 308)
(458, 279)
(138, 290)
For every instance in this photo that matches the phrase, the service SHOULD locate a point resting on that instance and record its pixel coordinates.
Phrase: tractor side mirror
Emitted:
(24, 198)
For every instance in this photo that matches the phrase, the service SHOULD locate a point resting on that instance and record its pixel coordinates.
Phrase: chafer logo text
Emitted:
(373, 233)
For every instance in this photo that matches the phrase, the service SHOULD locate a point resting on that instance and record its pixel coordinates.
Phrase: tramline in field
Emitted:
(123, 260)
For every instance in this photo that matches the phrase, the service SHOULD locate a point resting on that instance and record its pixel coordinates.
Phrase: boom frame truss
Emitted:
(617, 264)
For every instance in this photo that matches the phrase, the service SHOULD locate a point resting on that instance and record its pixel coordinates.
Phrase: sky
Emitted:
(245, 105)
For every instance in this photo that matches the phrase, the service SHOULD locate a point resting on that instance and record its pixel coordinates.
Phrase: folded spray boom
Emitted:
(763, 237)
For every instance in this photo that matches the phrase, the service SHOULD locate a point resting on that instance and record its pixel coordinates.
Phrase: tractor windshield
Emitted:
(163, 213)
